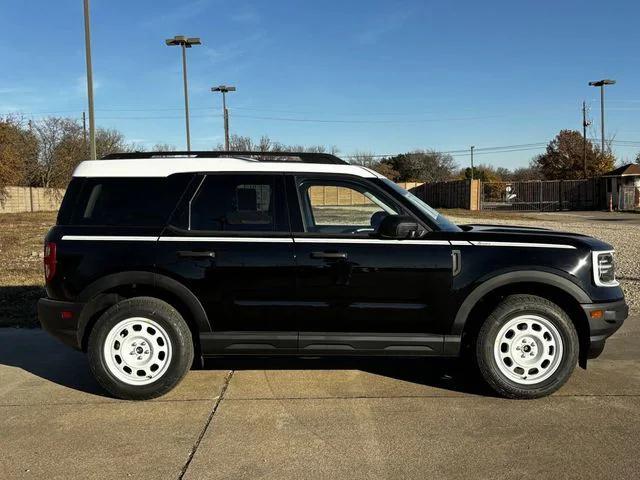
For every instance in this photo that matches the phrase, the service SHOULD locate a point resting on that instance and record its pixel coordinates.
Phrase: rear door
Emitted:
(230, 243)
(359, 293)
(109, 225)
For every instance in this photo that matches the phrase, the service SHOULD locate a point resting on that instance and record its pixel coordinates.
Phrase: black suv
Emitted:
(158, 259)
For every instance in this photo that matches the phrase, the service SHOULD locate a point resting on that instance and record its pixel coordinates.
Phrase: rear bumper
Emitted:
(61, 320)
(614, 315)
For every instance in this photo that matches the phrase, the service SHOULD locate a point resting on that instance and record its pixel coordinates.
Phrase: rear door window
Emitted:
(238, 203)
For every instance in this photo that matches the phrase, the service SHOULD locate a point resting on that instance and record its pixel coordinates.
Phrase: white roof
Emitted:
(165, 166)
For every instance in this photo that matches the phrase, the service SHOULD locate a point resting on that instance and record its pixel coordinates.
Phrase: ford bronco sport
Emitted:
(158, 259)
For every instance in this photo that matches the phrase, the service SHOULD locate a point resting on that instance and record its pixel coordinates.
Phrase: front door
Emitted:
(359, 293)
(229, 242)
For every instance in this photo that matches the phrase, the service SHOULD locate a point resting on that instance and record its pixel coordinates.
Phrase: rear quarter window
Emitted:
(124, 201)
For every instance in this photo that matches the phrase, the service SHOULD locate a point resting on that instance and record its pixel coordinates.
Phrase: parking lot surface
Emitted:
(311, 418)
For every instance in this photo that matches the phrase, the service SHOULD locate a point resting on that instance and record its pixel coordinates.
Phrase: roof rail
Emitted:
(304, 157)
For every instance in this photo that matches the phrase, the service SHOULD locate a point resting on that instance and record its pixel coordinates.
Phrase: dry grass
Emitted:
(21, 277)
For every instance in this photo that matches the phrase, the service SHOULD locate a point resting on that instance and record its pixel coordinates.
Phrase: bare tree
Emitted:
(60, 142)
(366, 159)
(266, 144)
(111, 141)
(61, 147)
(16, 146)
(163, 147)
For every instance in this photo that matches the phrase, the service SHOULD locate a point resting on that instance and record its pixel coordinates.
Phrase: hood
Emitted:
(514, 233)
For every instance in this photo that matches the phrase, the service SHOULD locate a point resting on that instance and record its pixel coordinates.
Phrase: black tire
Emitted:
(164, 315)
(510, 308)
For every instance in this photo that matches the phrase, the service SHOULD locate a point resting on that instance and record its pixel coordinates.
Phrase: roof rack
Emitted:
(304, 157)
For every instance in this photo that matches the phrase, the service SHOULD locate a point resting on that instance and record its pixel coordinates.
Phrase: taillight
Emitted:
(49, 261)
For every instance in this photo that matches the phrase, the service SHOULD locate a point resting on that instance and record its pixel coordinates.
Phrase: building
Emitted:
(624, 185)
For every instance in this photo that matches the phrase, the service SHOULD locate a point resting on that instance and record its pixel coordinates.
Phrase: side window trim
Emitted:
(195, 192)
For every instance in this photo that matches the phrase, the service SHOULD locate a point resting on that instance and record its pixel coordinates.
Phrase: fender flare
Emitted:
(95, 299)
(530, 276)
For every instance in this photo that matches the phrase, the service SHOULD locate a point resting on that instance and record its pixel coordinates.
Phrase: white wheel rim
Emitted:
(137, 351)
(528, 349)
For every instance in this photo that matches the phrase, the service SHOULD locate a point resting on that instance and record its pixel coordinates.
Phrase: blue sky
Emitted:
(377, 76)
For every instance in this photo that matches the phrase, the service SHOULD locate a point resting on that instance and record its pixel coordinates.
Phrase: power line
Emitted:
(465, 152)
(317, 120)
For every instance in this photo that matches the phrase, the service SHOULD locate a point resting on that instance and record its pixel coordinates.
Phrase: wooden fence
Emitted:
(30, 199)
(452, 194)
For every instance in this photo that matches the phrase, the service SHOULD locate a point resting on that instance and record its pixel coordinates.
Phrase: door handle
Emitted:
(189, 253)
(329, 255)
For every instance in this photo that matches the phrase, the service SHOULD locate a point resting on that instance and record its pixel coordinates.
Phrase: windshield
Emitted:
(441, 221)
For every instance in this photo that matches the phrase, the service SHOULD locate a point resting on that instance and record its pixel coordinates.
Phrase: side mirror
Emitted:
(398, 227)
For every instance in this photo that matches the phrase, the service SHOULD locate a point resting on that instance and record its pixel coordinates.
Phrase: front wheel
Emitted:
(140, 348)
(527, 348)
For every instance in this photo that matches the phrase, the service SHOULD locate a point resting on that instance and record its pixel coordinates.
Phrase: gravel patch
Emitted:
(624, 238)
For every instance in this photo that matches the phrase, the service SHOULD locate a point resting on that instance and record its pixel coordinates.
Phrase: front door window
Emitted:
(342, 208)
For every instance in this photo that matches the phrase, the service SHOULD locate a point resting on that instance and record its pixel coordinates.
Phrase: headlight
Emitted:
(604, 269)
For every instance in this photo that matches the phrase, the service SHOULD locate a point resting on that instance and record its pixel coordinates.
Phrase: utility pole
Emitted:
(84, 128)
(585, 124)
(224, 89)
(601, 84)
(472, 147)
(87, 45)
(225, 114)
(184, 43)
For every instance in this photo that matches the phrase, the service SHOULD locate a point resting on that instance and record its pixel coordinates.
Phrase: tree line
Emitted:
(563, 159)
(44, 153)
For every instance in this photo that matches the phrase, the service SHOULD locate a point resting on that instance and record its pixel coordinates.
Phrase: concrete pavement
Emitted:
(305, 418)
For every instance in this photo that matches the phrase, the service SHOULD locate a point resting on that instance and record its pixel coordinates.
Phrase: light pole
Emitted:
(601, 84)
(87, 47)
(185, 43)
(585, 123)
(224, 89)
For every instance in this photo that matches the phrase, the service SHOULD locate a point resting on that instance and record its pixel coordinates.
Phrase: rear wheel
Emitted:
(140, 348)
(527, 348)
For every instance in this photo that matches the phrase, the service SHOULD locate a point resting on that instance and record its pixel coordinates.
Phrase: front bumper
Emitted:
(61, 320)
(613, 316)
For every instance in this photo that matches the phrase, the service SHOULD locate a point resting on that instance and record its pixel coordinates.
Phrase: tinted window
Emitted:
(237, 203)
(69, 201)
(128, 201)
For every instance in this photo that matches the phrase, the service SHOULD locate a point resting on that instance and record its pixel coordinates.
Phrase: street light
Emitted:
(601, 84)
(87, 48)
(184, 42)
(224, 89)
